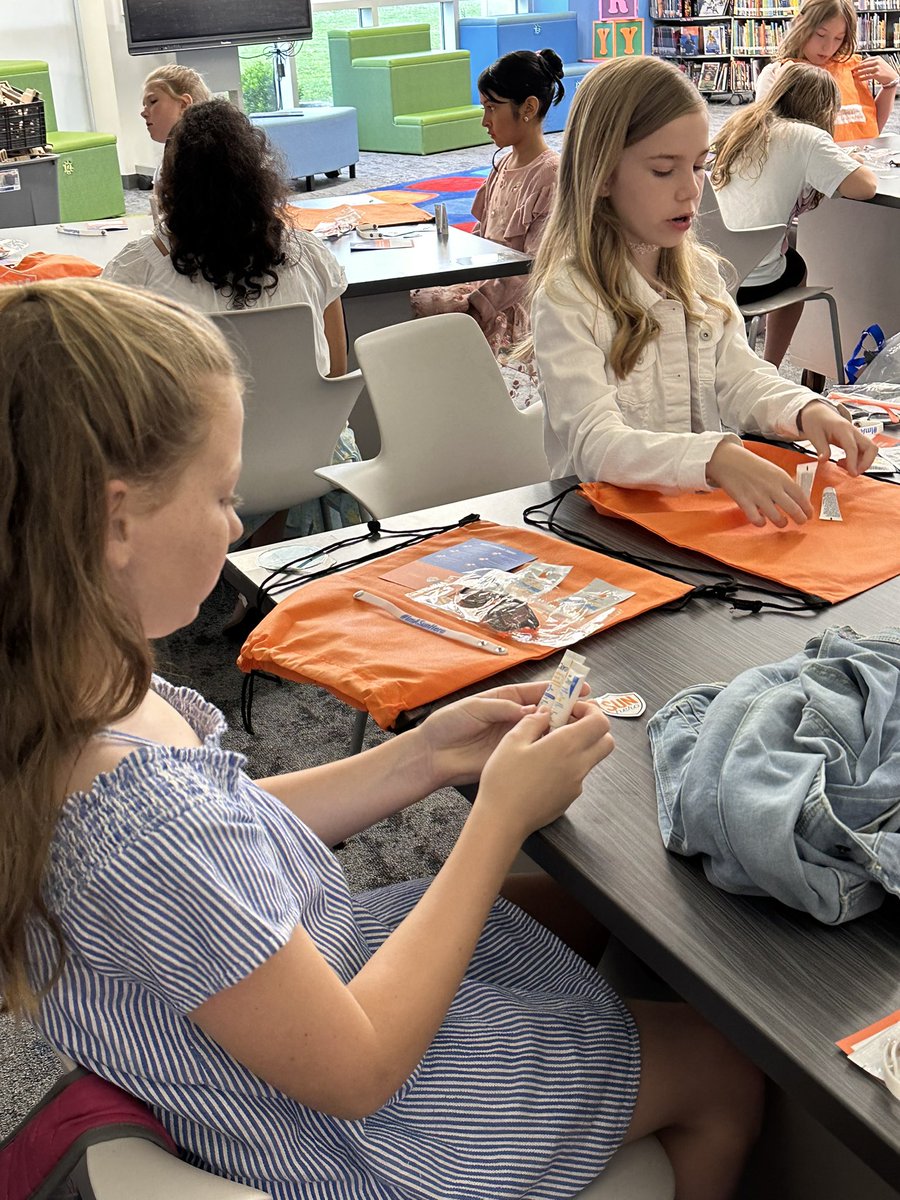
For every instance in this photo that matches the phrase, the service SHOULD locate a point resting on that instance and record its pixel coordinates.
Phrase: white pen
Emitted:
(73, 232)
(428, 626)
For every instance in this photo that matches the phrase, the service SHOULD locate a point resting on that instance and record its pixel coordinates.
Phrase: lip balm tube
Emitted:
(564, 688)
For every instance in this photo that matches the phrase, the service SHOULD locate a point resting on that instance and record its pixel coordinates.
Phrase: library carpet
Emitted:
(456, 191)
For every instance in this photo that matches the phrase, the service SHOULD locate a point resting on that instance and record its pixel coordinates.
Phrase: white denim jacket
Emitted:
(658, 427)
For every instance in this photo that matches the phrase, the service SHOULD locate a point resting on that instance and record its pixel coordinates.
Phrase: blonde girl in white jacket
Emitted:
(646, 371)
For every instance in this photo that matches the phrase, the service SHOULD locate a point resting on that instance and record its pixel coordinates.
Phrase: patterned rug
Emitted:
(456, 191)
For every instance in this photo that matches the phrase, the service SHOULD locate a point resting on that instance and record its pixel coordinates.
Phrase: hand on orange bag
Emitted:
(824, 427)
(764, 492)
(534, 775)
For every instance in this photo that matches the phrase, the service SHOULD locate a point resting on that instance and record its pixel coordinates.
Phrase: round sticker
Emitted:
(622, 704)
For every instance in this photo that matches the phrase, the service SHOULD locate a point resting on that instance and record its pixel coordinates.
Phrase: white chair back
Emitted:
(743, 248)
(449, 430)
(294, 416)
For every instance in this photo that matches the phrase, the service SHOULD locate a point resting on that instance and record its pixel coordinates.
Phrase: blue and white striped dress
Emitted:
(176, 876)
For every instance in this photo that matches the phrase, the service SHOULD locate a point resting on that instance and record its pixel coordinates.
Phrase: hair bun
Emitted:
(552, 62)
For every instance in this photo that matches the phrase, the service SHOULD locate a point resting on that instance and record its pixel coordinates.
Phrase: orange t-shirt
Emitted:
(856, 117)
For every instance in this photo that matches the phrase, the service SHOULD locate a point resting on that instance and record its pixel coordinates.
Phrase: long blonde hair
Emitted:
(177, 81)
(811, 15)
(98, 382)
(616, 106)
(801, 92)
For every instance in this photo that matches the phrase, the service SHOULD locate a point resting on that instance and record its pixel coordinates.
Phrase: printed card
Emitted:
(471, 555)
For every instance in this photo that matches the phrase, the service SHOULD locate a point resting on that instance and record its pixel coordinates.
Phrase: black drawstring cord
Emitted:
(723, 588)
(273, 584)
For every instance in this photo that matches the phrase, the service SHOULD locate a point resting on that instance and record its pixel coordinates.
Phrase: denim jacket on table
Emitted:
(787, 780)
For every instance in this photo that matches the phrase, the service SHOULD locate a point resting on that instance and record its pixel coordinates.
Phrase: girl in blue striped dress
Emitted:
(186, 933)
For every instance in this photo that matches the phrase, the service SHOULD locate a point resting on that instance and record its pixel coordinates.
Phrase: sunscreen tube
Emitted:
(564, 688)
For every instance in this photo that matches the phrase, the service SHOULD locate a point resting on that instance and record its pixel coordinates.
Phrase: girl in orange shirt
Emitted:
(824, 33)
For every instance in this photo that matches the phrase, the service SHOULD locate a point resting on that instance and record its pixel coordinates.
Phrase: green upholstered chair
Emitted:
(409, 98)
(90, 183)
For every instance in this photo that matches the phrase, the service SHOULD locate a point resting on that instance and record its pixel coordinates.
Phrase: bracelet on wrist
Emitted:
(891, 83)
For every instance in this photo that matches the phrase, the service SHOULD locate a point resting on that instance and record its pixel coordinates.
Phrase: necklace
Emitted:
(642, 247)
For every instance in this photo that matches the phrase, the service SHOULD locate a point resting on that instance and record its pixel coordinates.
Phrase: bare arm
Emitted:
(346, 1048)
(860, 185)
(336, 336)
(884, 105)
(341, 798)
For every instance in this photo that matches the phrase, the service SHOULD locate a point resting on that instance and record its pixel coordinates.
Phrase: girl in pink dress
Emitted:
(513, 203)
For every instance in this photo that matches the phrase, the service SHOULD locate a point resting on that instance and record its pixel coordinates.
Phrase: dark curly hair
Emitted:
(220, 193)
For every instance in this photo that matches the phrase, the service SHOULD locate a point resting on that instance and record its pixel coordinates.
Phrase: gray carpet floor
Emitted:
(295, 726)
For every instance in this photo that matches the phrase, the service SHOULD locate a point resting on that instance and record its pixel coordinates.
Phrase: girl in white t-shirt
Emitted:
(645, 368)
(224, 242)
(777, 159)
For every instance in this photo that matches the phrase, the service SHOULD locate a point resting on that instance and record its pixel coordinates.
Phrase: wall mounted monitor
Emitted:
(159, 26)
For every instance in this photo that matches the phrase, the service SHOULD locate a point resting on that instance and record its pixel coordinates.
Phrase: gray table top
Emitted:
(429, 262)
(888, 194)
(782, 986)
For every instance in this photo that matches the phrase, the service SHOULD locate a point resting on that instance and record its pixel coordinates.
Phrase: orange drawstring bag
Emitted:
(57, 266)
(376, 663)
(830, 559)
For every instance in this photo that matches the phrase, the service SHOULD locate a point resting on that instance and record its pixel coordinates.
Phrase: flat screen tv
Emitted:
(158, 26)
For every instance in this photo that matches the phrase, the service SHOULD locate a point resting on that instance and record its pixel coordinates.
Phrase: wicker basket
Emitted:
(22, 126)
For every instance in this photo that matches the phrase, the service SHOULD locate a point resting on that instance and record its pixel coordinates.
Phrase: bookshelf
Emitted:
(699, 36)
(724, 44)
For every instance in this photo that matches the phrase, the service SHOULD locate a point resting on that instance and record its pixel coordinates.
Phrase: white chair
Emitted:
(449, 430)
(639, 1171)
(139, 1169)
(745, 249)
(294, 416)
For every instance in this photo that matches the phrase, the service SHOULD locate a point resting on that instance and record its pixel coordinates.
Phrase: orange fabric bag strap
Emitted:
(372, 661)
(829, 559)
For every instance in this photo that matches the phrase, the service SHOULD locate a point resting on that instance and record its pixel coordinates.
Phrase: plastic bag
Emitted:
(885, 366)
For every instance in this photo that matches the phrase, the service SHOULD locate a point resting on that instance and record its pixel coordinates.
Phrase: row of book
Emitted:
(673, 10)
(744, 72)
(721, 77)
(756, 37)
(875, 31)
(764, 8)
(687, 40)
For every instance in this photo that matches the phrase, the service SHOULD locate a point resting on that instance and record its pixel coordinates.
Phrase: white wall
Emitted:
(126, 75)
(46, 30)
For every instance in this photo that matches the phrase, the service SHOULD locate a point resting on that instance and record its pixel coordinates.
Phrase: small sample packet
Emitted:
(621, 704)
(520, 605)
(495, 598)
(830, 510)
(874, 1049)
(564, 688)
(330, 231)
(804, 476)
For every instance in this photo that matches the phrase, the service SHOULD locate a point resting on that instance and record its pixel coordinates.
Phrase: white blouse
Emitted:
(311, 275)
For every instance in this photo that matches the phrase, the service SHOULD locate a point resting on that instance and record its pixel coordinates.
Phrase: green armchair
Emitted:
(90, 183)
(409, 98)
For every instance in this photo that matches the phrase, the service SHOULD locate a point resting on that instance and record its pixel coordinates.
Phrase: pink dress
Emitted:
(511, 207)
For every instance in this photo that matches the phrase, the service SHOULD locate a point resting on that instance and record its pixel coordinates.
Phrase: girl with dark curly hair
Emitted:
(223, 241)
